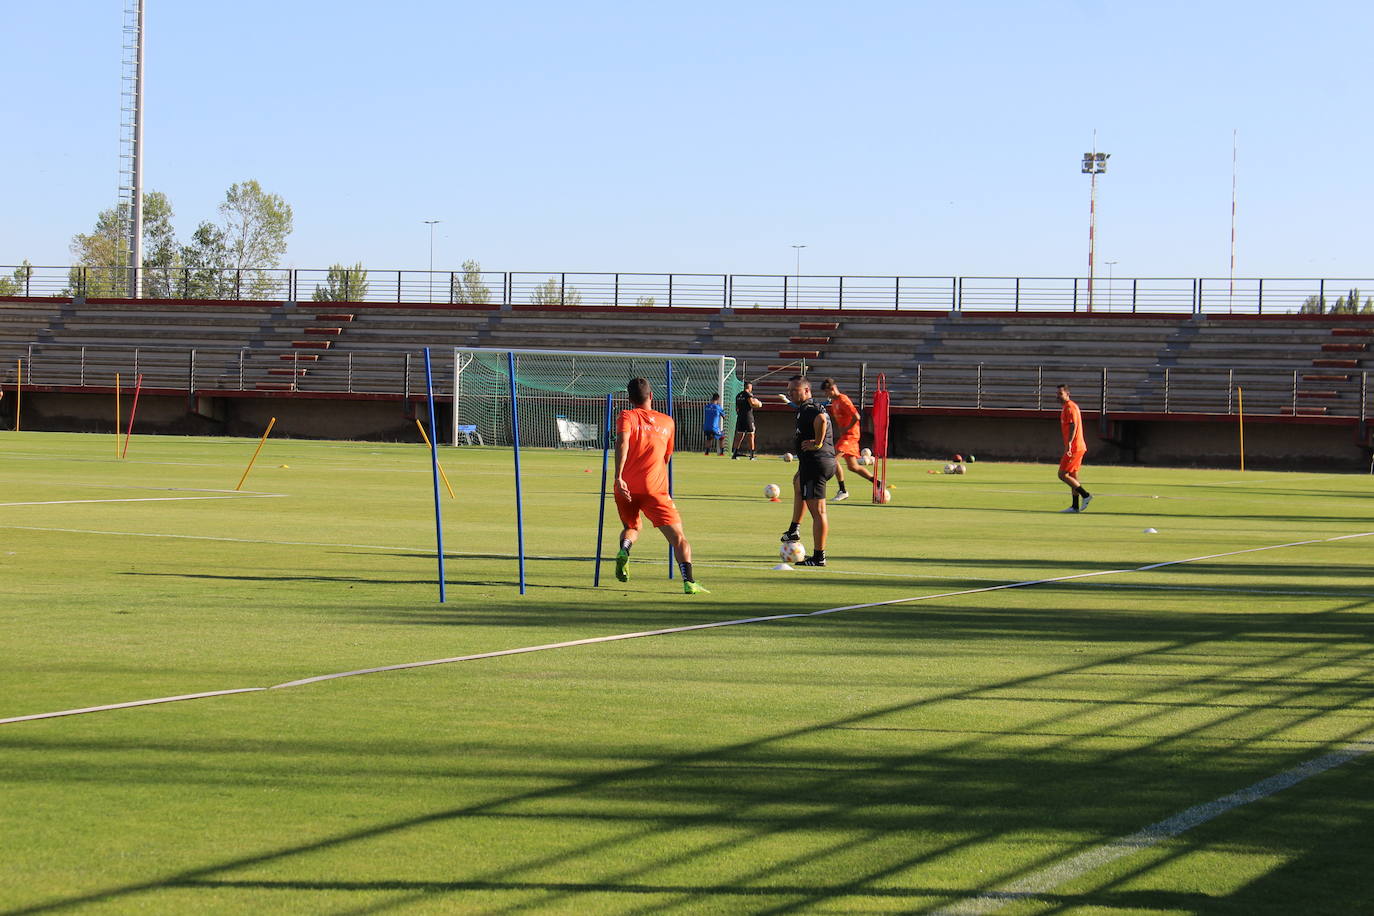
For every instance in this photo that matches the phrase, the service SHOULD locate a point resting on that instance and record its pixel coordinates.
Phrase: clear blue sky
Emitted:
(891, 138)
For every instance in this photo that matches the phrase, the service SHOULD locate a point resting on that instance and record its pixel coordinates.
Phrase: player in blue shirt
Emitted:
(713, 424)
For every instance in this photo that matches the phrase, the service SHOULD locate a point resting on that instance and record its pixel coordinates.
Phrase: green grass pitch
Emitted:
(901, 757)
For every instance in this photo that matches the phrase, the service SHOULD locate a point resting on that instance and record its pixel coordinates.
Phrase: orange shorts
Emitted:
(658, 508)
(849, 445)
(1070, 463)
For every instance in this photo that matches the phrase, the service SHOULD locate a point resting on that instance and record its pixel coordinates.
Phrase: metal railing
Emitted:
(1113, 296)
(978, 386)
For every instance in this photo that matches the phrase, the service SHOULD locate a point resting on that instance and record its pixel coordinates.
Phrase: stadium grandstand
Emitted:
(964, 358)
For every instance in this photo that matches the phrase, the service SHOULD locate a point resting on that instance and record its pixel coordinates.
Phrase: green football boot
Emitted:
(622, 560)
(693, 588)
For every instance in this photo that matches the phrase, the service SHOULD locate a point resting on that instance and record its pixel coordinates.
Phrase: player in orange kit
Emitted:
(846, 419)
(643, 445)
(1075, 447)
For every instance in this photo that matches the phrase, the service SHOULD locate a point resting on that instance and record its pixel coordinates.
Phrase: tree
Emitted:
(204, 263)
(552, 292)
(343, 284)
(17, 284)
(468, 287)
(104, 252)
(255, 227)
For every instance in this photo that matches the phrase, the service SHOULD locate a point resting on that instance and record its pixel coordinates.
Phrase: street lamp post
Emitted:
(1111, 287)
(431, 223)
(797, 281)
(1094, 164)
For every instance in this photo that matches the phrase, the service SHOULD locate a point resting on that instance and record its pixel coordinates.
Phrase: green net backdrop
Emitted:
(562, 394)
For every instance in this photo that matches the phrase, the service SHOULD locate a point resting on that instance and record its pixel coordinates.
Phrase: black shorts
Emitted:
(745, 424)
(813, 474)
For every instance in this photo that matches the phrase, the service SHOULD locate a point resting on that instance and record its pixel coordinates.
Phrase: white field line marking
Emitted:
(153, 702)
(1048, 879)
(726, 623)
(543, 648)
(138, 499)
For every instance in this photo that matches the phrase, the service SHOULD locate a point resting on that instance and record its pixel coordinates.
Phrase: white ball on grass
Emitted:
(792, 552)
(772, 491)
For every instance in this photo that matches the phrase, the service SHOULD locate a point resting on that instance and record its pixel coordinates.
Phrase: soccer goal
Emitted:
(561, 394)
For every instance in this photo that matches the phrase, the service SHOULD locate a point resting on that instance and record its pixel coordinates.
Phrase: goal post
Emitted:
(561, 394)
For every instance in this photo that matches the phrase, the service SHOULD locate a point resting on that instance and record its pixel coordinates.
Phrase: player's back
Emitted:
(648, 437)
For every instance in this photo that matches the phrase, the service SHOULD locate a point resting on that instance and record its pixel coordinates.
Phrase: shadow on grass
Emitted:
(810, 815)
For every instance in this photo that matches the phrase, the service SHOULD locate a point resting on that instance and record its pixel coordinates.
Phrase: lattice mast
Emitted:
(131, 142)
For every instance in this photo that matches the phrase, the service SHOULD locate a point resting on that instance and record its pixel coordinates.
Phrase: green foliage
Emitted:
(646, 301)
(554, 292)
(468, 287)
(17, 284)
(103, 253)
(343, 284)
(204, 260)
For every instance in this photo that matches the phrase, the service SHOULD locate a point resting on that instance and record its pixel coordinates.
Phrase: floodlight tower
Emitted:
(1094, 164)
(131, 142)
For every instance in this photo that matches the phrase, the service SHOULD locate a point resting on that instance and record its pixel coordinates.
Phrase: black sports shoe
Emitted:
(789, 536)
(812, 561)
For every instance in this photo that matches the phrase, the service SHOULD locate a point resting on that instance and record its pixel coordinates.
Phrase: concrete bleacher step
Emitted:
(813, 341)
(1336, 363)
(274, 386)
(323, 316)
(1303, 411)
(1317, 377)
(799, 354)
(1319, 394)
(328, 332)
(820, 326)
(299, 357)
(312, 344)
(1344, 347)
(1352, 332)
(296, 372)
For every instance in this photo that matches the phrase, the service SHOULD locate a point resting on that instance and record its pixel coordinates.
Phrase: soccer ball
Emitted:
(885, 496)
(960, 469)
(958, 458)
(792, 552)
(772, 491)
(949, 469)
(972, 458)
(788, 456)
(865, 460)
(866, 453)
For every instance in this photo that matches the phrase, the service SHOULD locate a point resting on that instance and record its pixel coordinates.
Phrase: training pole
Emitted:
(18, 391)
(118, 421)
(251, 461)
(434, 472)
(668, 372)
(881, 416)
(515, 440)
(133, 410)
(1240, 401)
(601, 504)
(442, 476)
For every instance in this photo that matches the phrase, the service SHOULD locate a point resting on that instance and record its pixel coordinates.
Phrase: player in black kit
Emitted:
(745, 402)
(815, 443)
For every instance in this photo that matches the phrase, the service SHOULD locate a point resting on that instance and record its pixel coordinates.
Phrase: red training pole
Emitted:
(129, 430)
(881, 412)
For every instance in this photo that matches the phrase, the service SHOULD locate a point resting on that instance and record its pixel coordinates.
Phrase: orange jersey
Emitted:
(648, 438)
(843, 412)
(1071, 426)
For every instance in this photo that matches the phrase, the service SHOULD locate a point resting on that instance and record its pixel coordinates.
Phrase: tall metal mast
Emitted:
(131, 143)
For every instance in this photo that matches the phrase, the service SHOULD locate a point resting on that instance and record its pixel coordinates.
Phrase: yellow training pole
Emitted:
(117, 415)
(265, 434)
(1240, 398)
(424, 435)
(18, 393)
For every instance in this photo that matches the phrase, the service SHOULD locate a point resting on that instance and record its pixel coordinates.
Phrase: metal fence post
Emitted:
(1135, 284)
(1260, 304)
(1039, 387)
(83, 367)
(615, 296)
(296, 365)
(135, 362)
(670, 290)
(1016, 302)
(1075, 294)
(407, 377)
(896, 294)
(840, 303)
(191, 382)
(350, 373)
(1295, 392)
(978, 398)
(1230, 390)
(919, 379)
(784, 290)
(1166, 389)
(241, 352)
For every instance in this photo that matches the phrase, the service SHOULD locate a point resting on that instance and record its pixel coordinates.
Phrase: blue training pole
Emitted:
(668, 371)
(601, 514)
(515, 439)
(434, 470)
